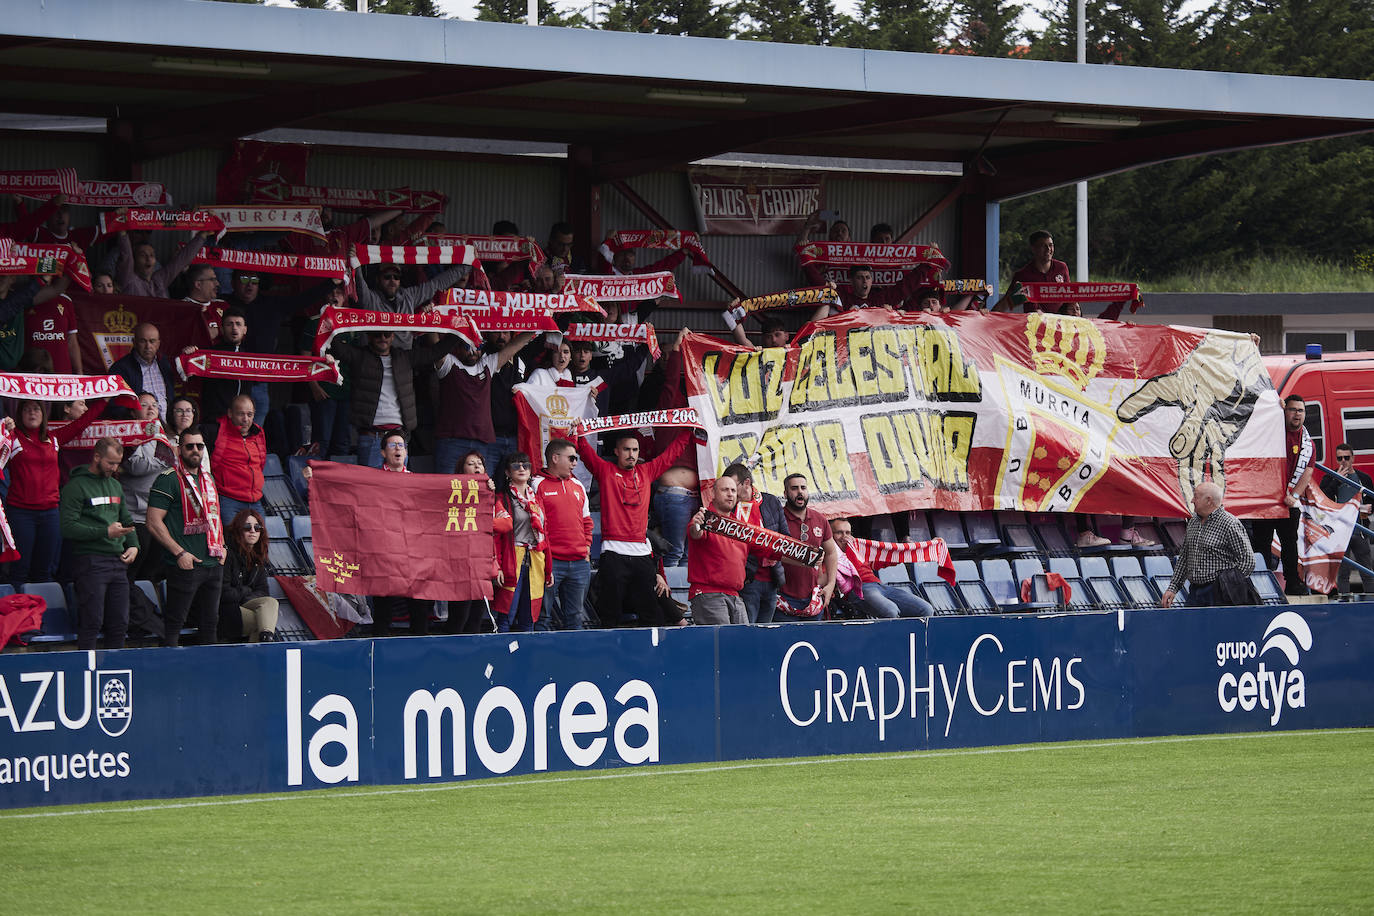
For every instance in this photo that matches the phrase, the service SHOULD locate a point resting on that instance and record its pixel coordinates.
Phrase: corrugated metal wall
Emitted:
(82, 152)
(764, 264)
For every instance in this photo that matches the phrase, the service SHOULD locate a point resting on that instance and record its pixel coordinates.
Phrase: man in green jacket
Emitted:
(97, 526)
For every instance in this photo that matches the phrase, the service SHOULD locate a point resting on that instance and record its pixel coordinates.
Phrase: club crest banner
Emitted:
(887, 411)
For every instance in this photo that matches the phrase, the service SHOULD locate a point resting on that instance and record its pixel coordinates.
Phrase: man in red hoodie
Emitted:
(570, 537)
(715, 563)
(625, 580)
(239, 459)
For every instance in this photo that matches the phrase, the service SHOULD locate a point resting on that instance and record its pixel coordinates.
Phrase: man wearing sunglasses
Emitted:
(184, 517)
(1341, 487)
(570, 537)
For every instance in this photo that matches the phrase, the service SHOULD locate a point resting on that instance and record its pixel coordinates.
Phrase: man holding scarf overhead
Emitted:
(184, 517)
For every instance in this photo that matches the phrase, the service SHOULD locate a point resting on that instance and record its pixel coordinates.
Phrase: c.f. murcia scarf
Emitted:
(200, 506)
(335, 320)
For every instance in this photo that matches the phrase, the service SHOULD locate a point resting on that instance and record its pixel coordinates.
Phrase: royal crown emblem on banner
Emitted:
(1067, 346)
(557, 406)
(120, 321)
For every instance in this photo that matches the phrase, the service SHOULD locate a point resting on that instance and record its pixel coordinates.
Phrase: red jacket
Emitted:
(239, 461)
(503, 532)
(625, 494)
(569, 518)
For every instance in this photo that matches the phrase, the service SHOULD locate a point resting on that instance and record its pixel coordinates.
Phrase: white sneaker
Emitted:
(1136, 539)
(1090, 539)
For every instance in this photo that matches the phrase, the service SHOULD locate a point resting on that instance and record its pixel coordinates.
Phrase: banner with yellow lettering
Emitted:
(886, 411)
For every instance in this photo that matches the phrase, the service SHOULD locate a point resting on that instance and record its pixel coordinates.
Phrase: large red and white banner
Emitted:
(886, 411)
(755, 201)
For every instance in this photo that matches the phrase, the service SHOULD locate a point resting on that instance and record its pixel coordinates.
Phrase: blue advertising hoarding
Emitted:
(147, 723)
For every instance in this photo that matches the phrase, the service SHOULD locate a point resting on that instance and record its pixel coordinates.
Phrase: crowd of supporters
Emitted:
(403, 397)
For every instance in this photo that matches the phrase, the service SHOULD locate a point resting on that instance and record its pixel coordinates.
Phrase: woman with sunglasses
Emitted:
(245, 608)
(522, 548)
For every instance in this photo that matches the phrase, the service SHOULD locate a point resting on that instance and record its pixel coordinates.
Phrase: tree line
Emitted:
(1305, 201)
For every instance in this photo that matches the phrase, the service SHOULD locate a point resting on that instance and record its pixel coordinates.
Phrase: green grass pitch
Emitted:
(1274, 823)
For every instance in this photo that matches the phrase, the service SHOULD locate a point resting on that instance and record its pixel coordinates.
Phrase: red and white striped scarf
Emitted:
(412, 254)
(200, 505)
(878, 554)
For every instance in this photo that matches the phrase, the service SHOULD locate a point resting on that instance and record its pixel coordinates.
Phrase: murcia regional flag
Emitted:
(548, 412)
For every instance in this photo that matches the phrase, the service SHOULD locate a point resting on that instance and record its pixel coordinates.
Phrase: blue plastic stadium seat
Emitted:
(1157, 564)
(276, 527)
(1006, 590)
(928, 571)
(894, 575)
(280, 498)
(1123, 567)
(942, 598)
(918, 526)
(284, 559)
(1094, 567)
(950, 526)
(57, 624)
(1049, 527)
(273, 467)
(982, 531)
(1174, 531)
(300, 527)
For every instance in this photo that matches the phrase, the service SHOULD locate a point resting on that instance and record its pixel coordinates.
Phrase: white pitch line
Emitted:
(498, 782)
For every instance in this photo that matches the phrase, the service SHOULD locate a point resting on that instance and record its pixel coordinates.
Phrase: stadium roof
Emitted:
(172, 75)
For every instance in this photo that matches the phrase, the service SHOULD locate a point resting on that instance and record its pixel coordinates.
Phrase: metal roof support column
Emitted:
(974, 248)
(120, 160)
(583, 192)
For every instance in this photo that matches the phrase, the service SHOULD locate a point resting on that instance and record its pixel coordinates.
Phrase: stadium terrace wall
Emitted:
(143, 723)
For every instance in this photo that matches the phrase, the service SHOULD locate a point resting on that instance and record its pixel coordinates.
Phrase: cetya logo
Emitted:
(1271, 686)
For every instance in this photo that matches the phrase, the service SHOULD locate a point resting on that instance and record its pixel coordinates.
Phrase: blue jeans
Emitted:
(369, 450)
(517, 619)
(893, 602)
(1201, 595)
(447, 451)
(564, 602)
(675, 507)
(38, 538)
(230, 507)
(760, 600)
